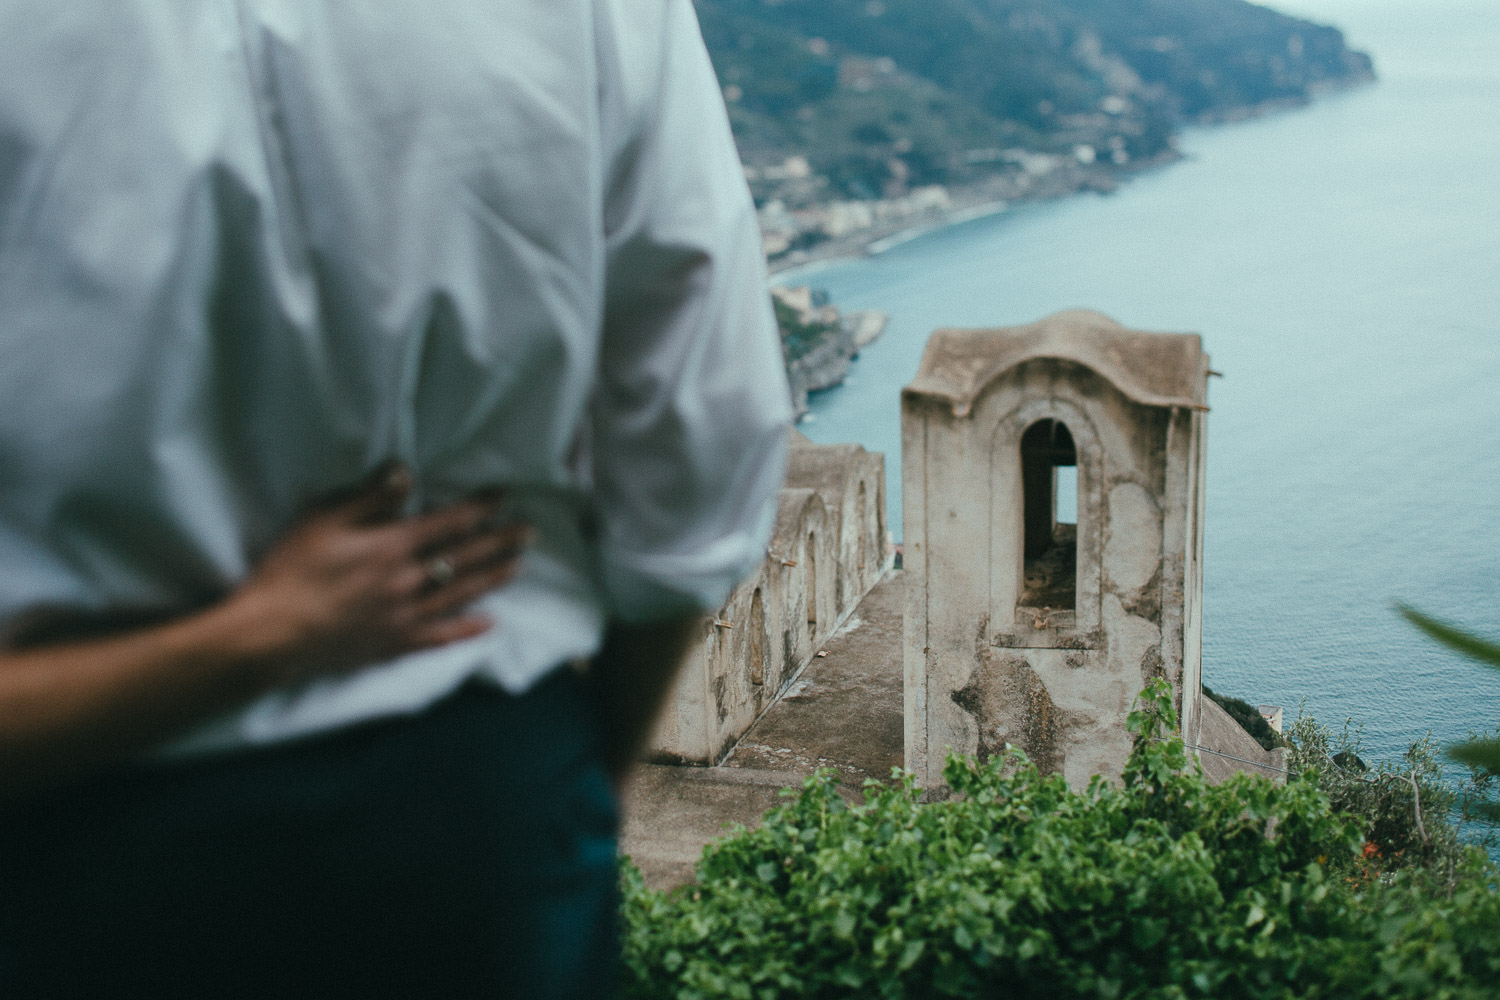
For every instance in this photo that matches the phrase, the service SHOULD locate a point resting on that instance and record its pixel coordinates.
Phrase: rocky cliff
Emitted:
(819, 342)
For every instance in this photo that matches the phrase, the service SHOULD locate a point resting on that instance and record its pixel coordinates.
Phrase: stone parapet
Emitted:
(828, 549)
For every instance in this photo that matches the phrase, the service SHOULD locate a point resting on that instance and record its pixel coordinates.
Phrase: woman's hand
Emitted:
(353, 582)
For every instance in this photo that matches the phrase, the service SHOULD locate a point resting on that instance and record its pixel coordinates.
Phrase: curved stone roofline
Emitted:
(1153, 369)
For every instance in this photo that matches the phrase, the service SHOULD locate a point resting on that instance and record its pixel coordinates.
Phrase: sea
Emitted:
(1342, 262)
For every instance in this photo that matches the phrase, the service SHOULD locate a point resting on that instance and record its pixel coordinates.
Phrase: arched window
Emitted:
(1050, 553)
(757, 628)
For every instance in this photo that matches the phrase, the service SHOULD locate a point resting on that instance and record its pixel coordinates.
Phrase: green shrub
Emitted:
(1405, 808)
(1162, 886)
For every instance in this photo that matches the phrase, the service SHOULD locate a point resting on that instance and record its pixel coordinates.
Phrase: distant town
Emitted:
(862, 122)
(801, 221)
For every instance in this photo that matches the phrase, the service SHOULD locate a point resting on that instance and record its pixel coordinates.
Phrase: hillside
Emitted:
(882, 97)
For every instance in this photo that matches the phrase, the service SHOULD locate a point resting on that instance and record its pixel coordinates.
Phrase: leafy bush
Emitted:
(1160, 887)
(1406, 809)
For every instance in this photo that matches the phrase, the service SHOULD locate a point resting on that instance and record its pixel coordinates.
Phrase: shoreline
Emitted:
(968, 203)
(994, 197)
(979, 201)
(827, 366)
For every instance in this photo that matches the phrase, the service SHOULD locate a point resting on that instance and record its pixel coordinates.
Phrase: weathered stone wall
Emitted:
(982, 670)
(851, 483)
(829, 547)
(1228, 749)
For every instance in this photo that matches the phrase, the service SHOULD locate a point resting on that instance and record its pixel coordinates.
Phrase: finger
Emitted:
(441, 633)
(481, 549)
(379, 498)
(409, 580)
(466, 589)
(446, 525)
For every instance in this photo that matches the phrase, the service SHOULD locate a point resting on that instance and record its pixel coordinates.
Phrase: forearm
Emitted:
(352, 583)
(633, 675)
(75, 706)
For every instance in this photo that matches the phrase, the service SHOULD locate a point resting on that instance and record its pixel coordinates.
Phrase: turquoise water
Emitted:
(1343, 264)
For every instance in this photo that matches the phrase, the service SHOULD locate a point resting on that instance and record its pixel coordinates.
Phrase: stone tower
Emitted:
(1021, 627)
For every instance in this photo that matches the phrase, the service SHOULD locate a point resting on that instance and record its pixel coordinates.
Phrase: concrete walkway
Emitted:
(844, 711)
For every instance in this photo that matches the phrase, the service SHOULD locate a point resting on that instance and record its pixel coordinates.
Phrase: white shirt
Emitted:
(249, 249)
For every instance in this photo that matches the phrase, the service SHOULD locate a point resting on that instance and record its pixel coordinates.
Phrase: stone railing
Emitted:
(829, 547)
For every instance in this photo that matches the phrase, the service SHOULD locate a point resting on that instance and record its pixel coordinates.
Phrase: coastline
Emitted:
(997, 195)
(830, 362)
(967, 203)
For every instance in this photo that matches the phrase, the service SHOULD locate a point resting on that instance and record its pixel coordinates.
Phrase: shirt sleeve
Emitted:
(692, 408)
